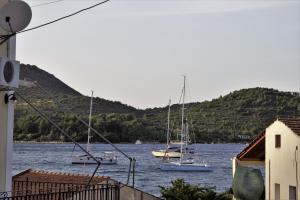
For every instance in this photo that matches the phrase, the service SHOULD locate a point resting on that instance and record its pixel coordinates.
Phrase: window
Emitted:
(292, 193)
(277, 141)
(277, 191)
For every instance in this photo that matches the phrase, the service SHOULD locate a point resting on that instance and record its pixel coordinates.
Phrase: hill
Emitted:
(240, 114)
(70, 100)
(232, 118)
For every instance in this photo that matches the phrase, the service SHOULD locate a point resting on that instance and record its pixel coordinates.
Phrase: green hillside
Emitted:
(243, 113)
(69, 99)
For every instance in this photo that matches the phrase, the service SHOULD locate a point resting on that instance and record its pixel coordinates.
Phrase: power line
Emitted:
(47, 3)
(64, 17)
(6, 37)
(43, 115)
(132, 160)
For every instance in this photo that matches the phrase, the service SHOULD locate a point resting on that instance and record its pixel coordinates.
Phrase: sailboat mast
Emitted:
(182, 119)
(90, 121)
(168, 131)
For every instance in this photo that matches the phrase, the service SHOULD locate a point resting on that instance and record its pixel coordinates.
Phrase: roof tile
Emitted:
(292, 123)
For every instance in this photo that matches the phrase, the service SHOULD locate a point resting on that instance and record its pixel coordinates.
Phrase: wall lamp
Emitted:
(9, 97)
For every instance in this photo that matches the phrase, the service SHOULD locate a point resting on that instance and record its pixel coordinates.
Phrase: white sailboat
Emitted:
(138, 142)
(107, 158)
(169, 152)
(185, 163)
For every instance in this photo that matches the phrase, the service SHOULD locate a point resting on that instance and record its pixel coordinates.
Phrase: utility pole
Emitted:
(7, 50)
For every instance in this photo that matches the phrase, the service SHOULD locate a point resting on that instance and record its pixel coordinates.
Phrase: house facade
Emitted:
(282, 160)
(277, 150)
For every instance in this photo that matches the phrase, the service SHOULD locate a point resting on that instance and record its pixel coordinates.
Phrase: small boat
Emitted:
(138, 142)
(107, 158)
(176, 142)
(184, 164)
(169, 152)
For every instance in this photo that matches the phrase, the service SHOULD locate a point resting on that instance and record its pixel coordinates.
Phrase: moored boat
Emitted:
(171, 152)
(185, 163)
(138, 142)
(182, 166)
(107, 158)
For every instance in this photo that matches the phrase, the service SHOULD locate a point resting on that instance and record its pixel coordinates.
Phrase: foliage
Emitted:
(230, 118)
(180, 190)
(115, 127)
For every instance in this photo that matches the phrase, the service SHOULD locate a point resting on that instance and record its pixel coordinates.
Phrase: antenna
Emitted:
(15, 16)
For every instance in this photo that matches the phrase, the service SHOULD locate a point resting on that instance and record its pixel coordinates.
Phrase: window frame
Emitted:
(292, 189)
(277, 141)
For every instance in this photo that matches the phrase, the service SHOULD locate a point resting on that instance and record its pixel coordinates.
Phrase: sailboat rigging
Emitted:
(170, 152)
(107, 158)
(184, 163)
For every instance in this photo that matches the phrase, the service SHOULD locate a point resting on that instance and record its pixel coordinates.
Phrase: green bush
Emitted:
(180, 190)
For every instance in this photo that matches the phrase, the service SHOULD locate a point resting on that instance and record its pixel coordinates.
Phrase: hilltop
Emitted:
(240, 114)
(231, 118)
(69, 99)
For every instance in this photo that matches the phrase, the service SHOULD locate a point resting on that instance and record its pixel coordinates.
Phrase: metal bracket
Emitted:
(9, 97)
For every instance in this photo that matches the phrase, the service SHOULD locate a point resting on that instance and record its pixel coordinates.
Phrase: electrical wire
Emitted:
(47, 3)
(64, 133)
(64, 17)
(6, 37)
(131, 159)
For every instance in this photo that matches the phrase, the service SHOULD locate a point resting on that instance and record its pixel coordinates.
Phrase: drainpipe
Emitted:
(269, 179)
(296, 161)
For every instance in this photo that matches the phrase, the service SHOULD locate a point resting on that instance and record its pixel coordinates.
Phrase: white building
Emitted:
(277, 149)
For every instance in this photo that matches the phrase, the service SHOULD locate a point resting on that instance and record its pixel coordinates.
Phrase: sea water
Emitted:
(148, 176)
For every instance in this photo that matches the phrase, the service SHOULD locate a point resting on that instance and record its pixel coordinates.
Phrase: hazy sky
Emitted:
(136, 51)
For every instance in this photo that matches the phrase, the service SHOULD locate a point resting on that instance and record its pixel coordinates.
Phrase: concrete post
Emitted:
(234, 165)
(6, 141)
(6, 120)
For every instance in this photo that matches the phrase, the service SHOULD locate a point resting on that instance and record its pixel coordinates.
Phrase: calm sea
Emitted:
(56, 157)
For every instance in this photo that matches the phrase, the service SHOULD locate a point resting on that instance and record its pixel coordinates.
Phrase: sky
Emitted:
(136, 51)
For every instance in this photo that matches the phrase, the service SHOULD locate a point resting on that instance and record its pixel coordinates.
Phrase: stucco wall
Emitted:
(129, 193)
(280, 162)
(3, 48)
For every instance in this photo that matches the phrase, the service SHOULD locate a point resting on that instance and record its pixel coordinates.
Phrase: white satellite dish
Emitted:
(18, 13)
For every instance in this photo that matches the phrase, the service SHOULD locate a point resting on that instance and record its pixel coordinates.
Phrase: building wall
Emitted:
(3, 48)
(129, 193)
(280, 162)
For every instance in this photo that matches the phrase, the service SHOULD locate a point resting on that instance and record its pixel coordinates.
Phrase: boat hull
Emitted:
(163, 153)
(176, 166)
(85, 160)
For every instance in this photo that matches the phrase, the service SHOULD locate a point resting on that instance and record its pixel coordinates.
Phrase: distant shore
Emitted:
(35, 142)
(59, 142)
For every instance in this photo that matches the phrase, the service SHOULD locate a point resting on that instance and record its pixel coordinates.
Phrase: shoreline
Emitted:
(59, 142)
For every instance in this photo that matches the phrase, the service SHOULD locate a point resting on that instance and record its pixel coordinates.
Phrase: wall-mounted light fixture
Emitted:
(9, 97)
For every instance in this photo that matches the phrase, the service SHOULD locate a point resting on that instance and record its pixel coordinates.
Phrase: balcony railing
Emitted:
(27, 190)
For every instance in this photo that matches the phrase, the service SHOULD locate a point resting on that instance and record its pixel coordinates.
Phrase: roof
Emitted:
(255, 151)
(292, 123)
(57, 177)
